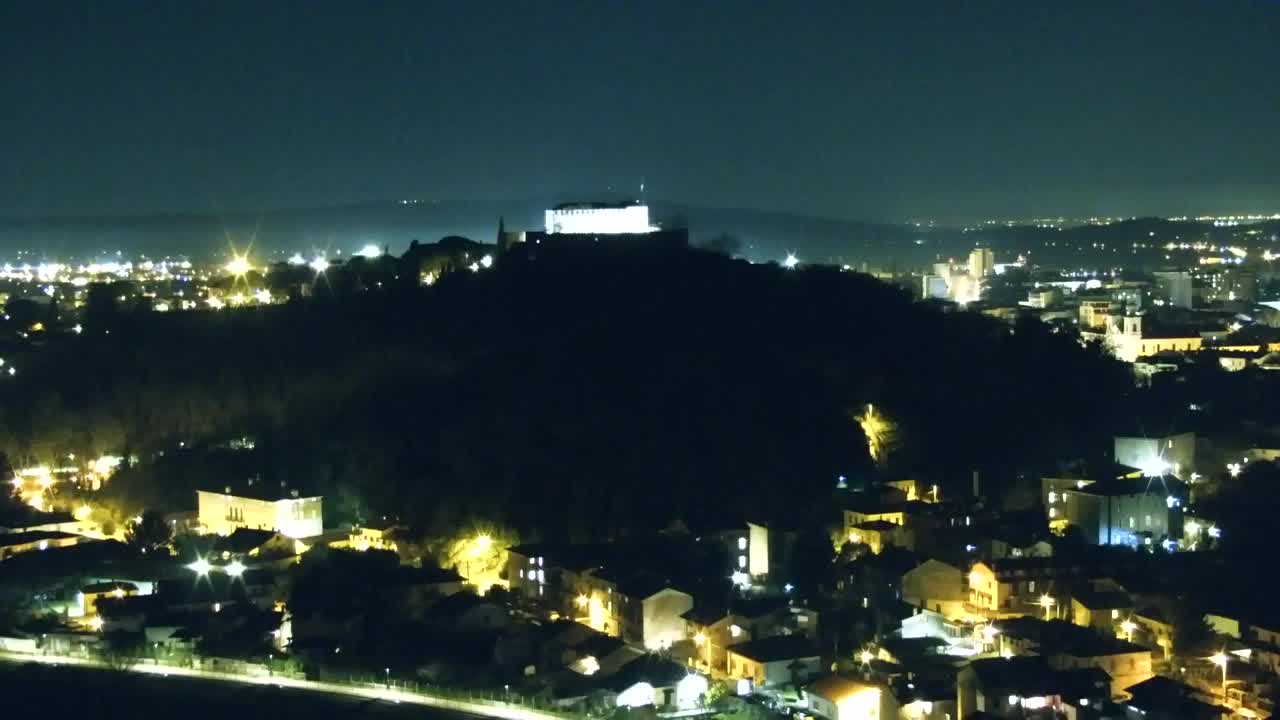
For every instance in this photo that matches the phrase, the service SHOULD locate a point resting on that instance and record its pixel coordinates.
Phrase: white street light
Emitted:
(200, 566)
(235, 568)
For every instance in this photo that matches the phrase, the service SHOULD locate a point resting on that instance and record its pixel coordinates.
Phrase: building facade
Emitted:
(293, 516)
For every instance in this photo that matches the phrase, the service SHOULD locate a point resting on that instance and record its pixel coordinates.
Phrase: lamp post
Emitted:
(388, 677)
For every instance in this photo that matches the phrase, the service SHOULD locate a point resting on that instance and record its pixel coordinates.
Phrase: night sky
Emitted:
(884, 111)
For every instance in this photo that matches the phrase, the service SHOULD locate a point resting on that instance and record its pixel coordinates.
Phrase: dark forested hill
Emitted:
(576, 392)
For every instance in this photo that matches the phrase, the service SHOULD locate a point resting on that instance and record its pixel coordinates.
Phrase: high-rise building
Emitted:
(1175, 287)
(982, 262)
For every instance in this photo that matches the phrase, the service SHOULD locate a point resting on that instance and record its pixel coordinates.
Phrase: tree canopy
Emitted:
(568, 393)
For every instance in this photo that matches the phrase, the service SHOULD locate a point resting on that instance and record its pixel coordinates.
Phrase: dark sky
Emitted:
(872, 110)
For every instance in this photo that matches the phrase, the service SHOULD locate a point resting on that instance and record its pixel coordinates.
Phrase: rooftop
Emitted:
(23, 538)
(1031, 676)
(256, 490)
(1173, 699)
(773, 649)
(106, 587)
(1061, 637)
(836, 688)
(1164, 485)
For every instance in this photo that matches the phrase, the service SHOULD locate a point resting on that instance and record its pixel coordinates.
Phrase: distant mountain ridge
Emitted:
(759, 235)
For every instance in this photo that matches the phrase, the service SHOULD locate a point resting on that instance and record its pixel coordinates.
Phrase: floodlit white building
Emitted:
(599, 219)
(259, 509)
(1171, 454)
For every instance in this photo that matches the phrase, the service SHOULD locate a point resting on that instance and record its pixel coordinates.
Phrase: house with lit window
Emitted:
(1101, 608)
(713, 630)
(1016, 586)
(528, 574)
(1011, 687)
(89, 595)
(260, 506)
(1139, 511)
(34, 541)
(774, 661)
(1066, 646)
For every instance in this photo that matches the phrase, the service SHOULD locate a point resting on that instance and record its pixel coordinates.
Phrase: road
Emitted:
(54, 687)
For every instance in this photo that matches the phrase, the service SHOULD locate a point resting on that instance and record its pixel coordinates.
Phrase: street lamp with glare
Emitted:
(1047, 603)
(239, 266)
(200, 566)
(235, 568)
(1220, 659)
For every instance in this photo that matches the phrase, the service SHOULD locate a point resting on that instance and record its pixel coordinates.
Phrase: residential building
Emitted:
(878, 534)
(774, 661)
(467, 612)
(1017, 586)
(260, 507)
(1070, 647)
(1154, 630)
(713, 630)
(89, 595)
(1102, 610)
(245, 543)
(1161, 698)
(35, 540)
(1010, 687)
(1127, 512)
(937, 586)
(838, 698)
(1094, 313)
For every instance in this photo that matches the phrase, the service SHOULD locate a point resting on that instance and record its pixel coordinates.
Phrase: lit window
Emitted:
(735, 631)
(1053, 512)
(1115, 614)
(1147, 521)
(542, 577)
(1031, 586)
(742, 543)
(539, 562)
(1131, 523)
(522, 573)
(1053, 497)
(742, 561)
(532, 561)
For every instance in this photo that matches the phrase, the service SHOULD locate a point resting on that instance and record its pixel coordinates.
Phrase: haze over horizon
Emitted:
(885, 112)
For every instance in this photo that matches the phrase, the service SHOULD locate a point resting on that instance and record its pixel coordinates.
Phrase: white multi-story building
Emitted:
(982, 262)
(599, 219)
(285, 513)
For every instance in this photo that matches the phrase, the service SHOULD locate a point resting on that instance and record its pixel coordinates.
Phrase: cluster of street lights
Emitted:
(203, 567)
